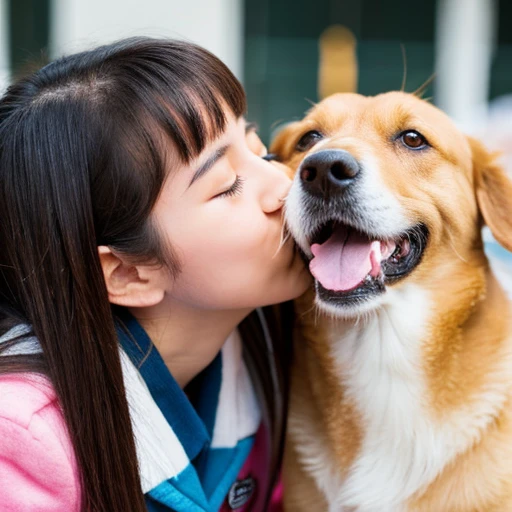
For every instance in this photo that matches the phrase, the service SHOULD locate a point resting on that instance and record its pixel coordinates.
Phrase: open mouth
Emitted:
(350, 266)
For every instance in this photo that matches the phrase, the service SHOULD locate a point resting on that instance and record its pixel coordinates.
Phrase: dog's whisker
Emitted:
(422, 88)
(317, 315)
(404, 60)
(277, 123)
(311, 102)
(315, 311)
(452, 245)
(305, 313)
(285, 236)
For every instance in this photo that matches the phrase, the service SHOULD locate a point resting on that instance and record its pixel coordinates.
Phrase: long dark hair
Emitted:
(82, 161)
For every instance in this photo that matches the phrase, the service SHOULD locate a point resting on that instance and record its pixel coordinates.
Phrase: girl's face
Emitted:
(222, 216)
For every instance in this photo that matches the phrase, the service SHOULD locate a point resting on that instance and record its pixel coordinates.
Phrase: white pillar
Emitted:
(215, 24)
(4, 47)
(464, 44)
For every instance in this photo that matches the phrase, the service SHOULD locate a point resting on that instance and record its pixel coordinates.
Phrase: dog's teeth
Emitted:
(406, 248)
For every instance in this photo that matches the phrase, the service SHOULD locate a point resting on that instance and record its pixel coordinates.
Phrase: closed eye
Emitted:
(234, 190)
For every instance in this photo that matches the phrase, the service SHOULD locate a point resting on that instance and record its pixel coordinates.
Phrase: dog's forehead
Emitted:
(395, 109)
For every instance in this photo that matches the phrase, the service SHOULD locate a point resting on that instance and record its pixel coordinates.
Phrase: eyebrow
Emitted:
(250, 127)
(203, 169)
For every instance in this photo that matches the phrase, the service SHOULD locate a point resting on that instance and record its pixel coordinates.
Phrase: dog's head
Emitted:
(387, 190)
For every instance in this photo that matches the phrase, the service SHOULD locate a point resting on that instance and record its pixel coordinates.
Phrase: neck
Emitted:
(404, 356)
(188, 339)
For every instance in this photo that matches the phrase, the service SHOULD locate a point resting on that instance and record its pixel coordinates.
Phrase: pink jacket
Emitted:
(38, 470)
(37, 465)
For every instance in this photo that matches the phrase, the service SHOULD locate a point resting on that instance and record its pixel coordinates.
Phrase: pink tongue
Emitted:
(344, 260)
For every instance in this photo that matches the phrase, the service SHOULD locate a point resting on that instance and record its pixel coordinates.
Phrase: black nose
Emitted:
(328, 172)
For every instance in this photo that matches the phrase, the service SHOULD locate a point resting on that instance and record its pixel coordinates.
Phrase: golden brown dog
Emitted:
(402, 383)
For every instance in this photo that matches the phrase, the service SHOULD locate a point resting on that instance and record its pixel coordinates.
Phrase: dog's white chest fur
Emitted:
(380, 360)
(403, 449)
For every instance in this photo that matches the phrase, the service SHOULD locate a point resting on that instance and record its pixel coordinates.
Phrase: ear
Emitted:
(493, 193)
(131, 285)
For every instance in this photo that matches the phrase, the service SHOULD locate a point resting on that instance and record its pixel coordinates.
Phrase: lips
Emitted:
(346, 260)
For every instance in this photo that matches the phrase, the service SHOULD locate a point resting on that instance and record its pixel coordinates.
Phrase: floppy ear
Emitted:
(493, 193)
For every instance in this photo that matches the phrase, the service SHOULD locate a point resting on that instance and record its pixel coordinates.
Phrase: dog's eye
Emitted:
(308, 140)
(413, 139)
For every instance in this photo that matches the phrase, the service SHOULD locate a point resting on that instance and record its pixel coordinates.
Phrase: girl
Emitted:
(139, 227)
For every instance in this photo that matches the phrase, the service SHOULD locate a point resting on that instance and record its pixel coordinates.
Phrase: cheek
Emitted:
(222, 240)
(226, 268)
(438, 194)
(457, 204)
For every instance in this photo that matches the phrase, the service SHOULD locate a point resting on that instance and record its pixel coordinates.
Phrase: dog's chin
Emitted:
(395, 260)
(366, 299)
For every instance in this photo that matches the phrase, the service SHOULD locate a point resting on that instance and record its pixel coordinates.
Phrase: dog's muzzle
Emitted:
(338, 225)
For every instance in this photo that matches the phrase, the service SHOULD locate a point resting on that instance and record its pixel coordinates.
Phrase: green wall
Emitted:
(29, 29)
(281, 54)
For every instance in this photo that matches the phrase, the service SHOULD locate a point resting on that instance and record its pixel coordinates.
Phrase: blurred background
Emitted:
(290, 53)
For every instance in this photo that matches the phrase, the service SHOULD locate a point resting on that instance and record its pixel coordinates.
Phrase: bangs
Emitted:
(198, 119)
(185, 89)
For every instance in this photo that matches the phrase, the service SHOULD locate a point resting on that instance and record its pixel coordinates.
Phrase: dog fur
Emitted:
(402, 402)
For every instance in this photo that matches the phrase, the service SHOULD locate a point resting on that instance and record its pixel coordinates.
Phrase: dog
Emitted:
(401, 396)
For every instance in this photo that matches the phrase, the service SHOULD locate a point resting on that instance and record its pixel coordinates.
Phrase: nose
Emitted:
(275, 186)
(328, 172)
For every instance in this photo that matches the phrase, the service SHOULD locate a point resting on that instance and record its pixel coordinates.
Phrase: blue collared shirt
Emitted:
(205, 482)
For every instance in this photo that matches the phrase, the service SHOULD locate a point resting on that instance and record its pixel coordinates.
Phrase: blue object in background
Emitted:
(500, 259)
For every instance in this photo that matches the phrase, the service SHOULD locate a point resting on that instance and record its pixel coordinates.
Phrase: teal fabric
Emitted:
(204, 484)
